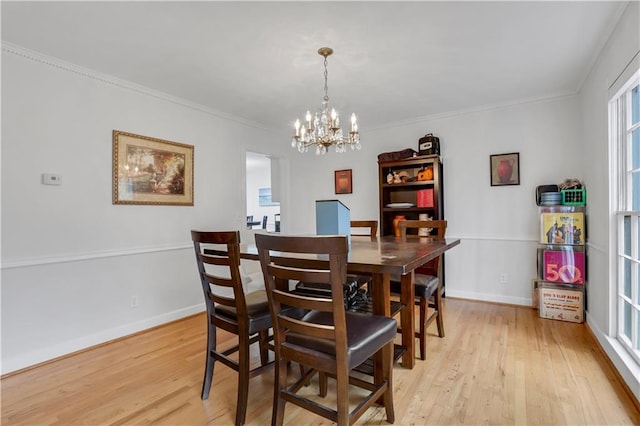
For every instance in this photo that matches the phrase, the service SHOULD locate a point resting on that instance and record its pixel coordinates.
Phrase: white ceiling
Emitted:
(393, 61)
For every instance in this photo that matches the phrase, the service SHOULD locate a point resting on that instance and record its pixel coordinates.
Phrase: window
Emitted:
(264, 198)
(624, 119)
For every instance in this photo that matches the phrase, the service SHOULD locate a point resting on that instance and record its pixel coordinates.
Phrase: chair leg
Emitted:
(243, 378)
(439, 317)
(280, 383)
(322, 380)
(342, 394)
(210, 362)
(302, 373)
(422, 334)
(387, 374)
(263, 342)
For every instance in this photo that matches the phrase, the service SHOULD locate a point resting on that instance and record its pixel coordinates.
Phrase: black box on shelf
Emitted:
(429, 145)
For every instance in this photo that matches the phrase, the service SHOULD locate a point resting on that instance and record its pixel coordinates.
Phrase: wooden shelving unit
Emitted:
(407, 191)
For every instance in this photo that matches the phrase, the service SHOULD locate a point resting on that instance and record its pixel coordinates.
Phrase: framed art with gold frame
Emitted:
(151, 171)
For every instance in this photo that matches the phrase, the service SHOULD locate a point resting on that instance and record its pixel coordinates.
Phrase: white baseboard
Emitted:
(627, 367)
(484, 297)
(8, 365)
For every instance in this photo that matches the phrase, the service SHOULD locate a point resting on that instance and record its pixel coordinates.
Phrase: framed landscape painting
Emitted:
(151, 171)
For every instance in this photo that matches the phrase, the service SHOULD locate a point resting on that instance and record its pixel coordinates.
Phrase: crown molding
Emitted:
(602, 44)
(475, 110)
(123, 84)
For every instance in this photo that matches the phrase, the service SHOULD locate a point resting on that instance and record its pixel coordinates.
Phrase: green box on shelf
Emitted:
(574, 197)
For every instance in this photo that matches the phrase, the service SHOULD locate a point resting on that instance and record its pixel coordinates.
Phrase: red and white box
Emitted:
(425, 198)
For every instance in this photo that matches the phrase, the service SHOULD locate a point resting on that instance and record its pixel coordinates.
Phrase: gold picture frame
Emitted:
(151, 171)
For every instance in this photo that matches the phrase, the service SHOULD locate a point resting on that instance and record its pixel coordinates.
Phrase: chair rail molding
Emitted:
(79, 257)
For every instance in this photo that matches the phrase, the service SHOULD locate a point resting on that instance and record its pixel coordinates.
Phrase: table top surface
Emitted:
(394, 255)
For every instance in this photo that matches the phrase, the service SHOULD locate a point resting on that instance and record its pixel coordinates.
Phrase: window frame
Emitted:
(621, 129)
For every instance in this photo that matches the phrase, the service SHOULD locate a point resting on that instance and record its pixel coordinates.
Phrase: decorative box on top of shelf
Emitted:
(409, 188)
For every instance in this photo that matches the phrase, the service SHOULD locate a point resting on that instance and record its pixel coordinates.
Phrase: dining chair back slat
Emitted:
(371, 225)
(315, 276)
(303, 302)
(439, 226)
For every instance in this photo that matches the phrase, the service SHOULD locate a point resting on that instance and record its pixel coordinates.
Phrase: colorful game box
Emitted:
(562, 228)
(563, 266)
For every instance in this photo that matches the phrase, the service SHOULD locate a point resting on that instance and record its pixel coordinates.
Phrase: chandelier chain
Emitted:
(326, 85)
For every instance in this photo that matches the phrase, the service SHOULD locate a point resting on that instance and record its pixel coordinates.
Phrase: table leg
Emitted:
(408, 320)
(381, 306)
(381, 294)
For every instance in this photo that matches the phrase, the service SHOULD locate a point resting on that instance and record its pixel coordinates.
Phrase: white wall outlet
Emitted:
(51, 179)
(503, 278)
(134, 301)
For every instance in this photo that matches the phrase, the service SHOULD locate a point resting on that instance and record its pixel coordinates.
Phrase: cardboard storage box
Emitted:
(561, 302)
(535, 296)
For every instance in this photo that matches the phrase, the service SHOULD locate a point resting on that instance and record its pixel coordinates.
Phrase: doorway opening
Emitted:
(263, 201)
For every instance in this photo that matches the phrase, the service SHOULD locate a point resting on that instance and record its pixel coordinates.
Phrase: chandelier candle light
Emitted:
(323, 129)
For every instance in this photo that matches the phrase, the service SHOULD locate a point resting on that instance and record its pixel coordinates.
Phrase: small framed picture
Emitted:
(343, 181)
(505, 169)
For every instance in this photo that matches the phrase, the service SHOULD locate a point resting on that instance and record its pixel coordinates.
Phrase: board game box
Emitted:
(562, 266)
(562, 228)
(561, 303)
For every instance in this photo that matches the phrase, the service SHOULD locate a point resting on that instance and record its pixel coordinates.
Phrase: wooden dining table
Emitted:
(383, 257)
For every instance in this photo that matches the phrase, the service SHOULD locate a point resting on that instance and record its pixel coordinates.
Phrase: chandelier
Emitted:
(323, 129)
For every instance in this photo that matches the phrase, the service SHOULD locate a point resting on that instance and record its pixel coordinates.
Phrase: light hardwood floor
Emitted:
(497, 365)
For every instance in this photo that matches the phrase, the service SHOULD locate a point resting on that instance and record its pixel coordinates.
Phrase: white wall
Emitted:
(498, 225)
(71, 261)
(617, 55)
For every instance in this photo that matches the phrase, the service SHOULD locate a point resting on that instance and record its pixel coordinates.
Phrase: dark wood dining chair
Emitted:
(371, 225)
(245, 315)
(427, 281)
(328, 339)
